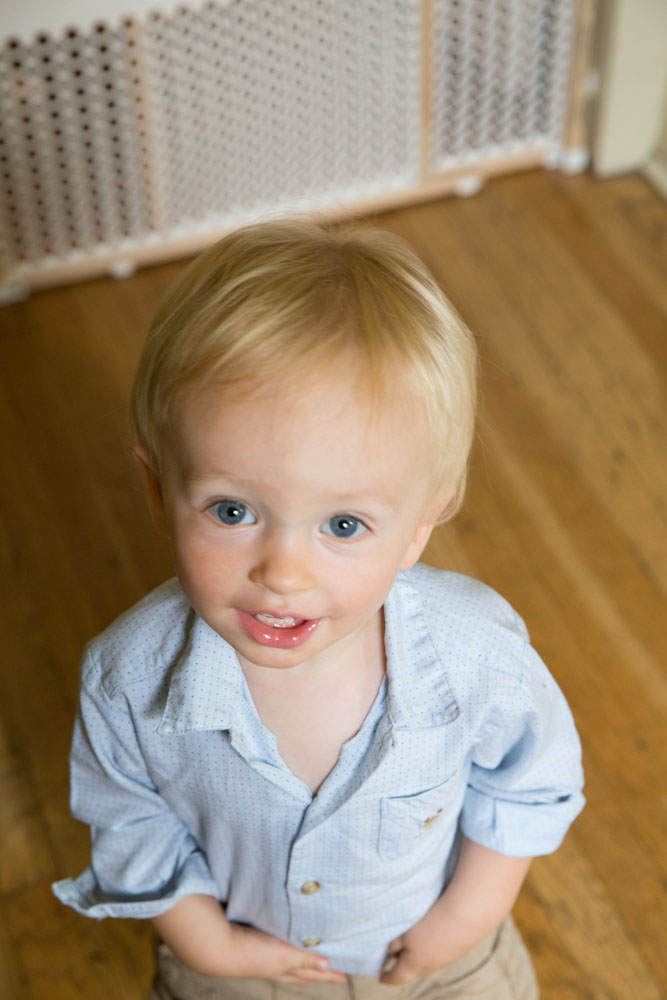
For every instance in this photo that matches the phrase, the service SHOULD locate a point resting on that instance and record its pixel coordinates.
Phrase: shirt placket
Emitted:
(307, 894)
(308, 890)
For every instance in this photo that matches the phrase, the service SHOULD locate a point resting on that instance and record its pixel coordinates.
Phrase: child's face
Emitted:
(290, 518)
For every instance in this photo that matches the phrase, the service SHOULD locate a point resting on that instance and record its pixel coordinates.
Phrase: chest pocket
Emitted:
(408, 821)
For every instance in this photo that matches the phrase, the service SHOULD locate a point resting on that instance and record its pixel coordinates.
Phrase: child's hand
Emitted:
(427, 947)
(409, 957)
(262, 956)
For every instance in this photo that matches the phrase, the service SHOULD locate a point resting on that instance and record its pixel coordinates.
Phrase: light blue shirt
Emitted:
(186, 792)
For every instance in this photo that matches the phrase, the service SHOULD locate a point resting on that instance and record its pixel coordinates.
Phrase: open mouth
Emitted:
(278, 622)
(281, 633)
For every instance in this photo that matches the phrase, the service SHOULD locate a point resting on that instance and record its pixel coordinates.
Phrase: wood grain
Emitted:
(563, 279)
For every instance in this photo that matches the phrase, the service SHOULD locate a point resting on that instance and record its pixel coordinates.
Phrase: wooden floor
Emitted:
(564, 280)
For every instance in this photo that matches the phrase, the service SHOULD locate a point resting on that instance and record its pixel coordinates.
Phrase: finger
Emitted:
(323, 975)
(316, 965)
(401, 973)
(316, 968)
(306, 976)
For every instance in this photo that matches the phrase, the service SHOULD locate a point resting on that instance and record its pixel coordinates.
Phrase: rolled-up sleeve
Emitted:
(526, 779)
(144, 859)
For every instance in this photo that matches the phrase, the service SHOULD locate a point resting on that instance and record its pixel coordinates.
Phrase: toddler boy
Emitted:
(311, 760)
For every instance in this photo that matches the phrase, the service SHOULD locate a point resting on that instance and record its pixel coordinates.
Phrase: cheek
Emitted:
(366, 585)
(204, 570)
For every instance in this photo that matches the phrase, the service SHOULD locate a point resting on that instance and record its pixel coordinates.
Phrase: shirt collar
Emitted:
(419, 694)
(206, 686)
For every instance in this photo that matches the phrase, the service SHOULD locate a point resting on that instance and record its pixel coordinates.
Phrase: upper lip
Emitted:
(279, 614)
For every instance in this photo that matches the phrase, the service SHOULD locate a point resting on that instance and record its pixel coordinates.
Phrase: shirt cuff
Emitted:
(518, 829)
(86, 897)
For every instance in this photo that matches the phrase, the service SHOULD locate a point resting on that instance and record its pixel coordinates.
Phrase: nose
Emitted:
(283, 565)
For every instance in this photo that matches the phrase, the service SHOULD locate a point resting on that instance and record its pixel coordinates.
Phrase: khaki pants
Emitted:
(497, 969)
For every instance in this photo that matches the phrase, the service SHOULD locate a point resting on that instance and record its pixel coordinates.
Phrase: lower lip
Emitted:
(279, 638)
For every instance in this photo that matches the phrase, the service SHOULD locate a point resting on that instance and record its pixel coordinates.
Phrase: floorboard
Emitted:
(563, 280)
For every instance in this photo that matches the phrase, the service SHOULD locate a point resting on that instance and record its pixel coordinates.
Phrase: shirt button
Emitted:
(310, 888)
(311, 942)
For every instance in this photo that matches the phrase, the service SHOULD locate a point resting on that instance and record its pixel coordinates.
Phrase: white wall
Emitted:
(26, 18)
(633, 65)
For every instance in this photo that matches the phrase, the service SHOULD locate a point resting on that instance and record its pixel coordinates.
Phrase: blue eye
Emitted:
(232, 512)
(343, 526)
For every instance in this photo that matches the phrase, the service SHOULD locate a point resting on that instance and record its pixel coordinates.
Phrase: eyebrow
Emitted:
(347, 499)
(337, 499)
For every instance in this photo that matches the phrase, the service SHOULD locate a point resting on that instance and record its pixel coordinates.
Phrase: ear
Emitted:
(428, 521)
(152, 488)
(418, 543)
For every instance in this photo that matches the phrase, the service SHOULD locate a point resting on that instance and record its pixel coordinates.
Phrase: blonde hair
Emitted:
(272, 299)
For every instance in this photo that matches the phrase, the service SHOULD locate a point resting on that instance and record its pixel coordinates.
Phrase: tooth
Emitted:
(276, 622)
